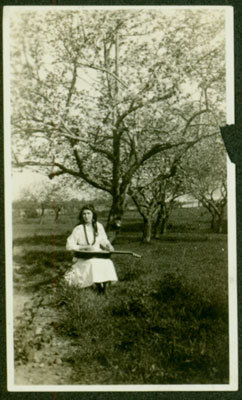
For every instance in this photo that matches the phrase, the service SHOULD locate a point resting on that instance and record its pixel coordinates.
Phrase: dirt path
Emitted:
(32, 374)
(44, 366)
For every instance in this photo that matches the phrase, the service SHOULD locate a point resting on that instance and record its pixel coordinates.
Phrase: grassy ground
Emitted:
(164, 322)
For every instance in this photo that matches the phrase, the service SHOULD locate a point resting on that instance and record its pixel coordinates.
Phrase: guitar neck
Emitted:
(125, 252)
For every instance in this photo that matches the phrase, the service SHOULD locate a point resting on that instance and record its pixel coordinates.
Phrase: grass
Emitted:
(164, 322)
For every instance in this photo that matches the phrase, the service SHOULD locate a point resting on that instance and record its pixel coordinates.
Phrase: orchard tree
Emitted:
(173, 188)
(25, 208)
(154, 190)
(206, 179)
(149, 197)
(44, 194)
(98, 93)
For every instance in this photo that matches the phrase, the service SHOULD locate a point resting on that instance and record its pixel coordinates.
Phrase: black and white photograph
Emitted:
(119, 198)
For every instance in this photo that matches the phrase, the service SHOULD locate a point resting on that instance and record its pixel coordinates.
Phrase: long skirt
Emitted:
(85, 273)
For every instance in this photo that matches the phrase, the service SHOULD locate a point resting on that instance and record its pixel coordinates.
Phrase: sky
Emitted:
(21, 180)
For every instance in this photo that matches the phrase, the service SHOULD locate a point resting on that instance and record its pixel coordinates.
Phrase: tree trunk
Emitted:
(163, 227)
(57, 213)
(42, 213)
(217, 223)
(147, 230)
(115, 216)
(160, 225)
(157, 223)
(217, 212)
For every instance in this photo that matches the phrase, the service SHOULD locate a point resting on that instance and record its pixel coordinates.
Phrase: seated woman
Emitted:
(90, 236)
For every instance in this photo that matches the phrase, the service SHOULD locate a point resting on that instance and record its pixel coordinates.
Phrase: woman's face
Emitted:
(87, 216)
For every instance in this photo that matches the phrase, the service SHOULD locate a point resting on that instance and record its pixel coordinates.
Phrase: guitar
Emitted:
(103, 254)
(125, 252)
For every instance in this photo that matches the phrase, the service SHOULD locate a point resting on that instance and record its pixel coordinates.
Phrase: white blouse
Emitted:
(78, 238)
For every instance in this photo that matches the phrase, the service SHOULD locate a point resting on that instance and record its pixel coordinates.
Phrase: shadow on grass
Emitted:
(183, 238)
(132, 227)
(38, 268)
(171, 333)
(42, 258)
(190, 237)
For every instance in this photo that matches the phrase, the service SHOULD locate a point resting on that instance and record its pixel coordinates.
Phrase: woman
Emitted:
(89, 236)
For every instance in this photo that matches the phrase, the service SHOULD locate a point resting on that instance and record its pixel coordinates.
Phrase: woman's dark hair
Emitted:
(94, 218)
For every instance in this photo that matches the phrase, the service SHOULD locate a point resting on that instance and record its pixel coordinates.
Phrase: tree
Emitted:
(205, 170)
(154, 189)
(142, 70)
(43, 195)
(172, 189)
(25, 208)
(39, 195)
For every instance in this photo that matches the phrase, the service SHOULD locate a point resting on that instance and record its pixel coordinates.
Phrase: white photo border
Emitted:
(232, 261)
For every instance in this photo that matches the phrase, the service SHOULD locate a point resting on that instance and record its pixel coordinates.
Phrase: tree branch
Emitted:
(73, 82)
(157, 148)
(105, 55)
(107, 153)
(31, 163)
(86, 176)
(103, 70)
(133, 107)
(192, 118)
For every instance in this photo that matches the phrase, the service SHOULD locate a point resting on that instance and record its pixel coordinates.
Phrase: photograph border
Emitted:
(232, 235)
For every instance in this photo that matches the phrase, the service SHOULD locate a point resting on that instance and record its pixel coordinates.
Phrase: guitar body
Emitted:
(92, 254)
(102, 254)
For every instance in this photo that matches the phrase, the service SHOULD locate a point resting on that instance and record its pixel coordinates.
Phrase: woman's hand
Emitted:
(110, 247)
